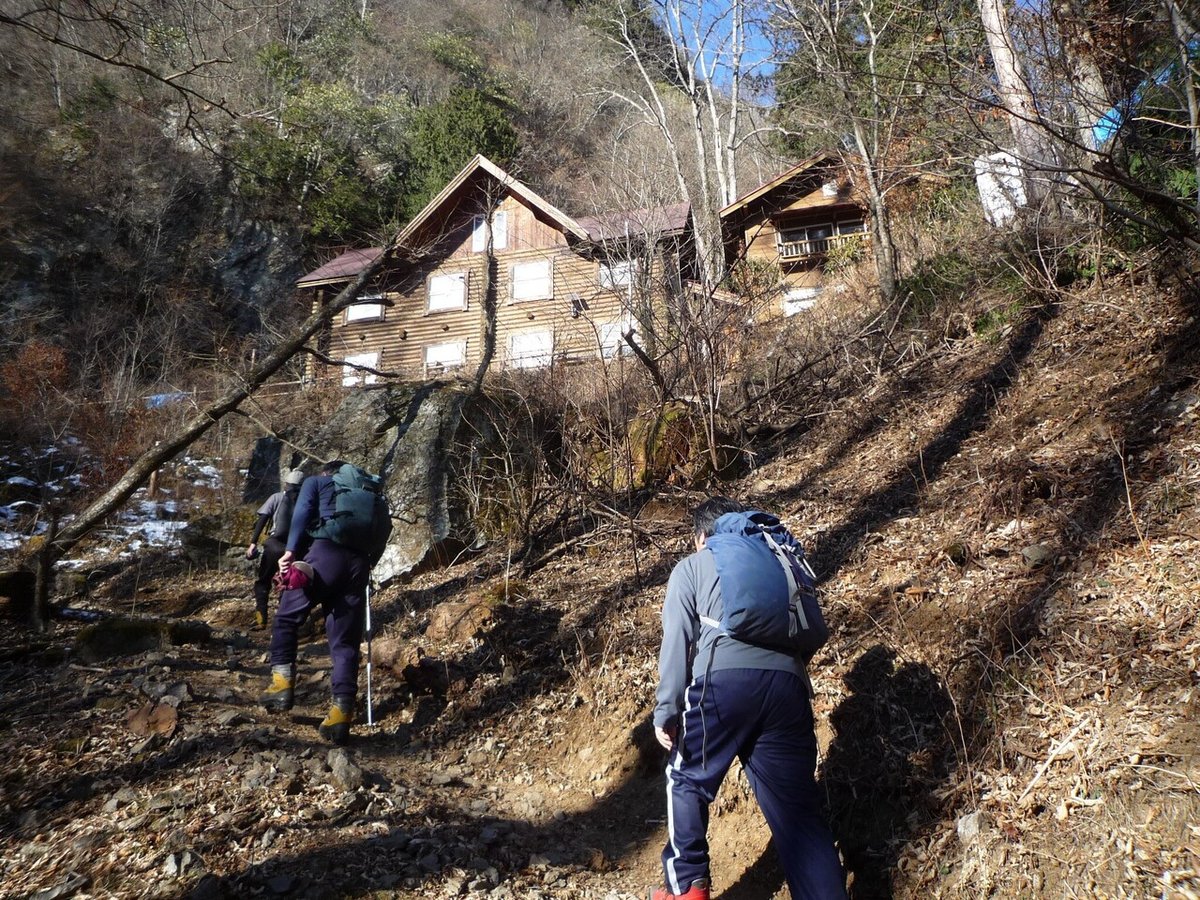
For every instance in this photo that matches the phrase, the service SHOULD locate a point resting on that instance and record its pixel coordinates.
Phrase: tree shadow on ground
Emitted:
(870, 828)
(902, 729)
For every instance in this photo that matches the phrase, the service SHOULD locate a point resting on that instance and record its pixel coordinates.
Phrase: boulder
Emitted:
(405, 433)
(121, 636)
(459, 620)
(213, 540)
(263, 477)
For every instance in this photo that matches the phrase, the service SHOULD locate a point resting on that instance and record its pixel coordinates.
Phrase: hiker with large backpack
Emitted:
(344, 513)
(740, 622)
(275, 518)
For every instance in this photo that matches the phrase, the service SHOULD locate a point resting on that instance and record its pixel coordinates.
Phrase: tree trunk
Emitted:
(1015, 96)
(1089, 96)
(1183, 34)
(489, 305)
(882, 245)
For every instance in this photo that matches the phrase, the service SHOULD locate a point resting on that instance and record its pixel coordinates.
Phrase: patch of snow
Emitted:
(155, 533)
(9, 541)
(21, 480)
(17, 509)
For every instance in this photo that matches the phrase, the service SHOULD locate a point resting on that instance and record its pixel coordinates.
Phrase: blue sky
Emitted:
(717, 15)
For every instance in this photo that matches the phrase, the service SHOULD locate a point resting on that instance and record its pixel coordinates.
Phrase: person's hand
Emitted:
(252, 550)
(285, 561)
(666, 736)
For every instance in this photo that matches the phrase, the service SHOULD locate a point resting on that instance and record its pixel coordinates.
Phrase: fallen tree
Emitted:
(60, 541)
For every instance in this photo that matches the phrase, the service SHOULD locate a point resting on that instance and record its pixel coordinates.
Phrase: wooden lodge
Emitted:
(796, 221)
(564, 288)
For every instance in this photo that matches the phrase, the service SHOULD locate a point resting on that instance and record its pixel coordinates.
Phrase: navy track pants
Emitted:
(339, 586)
(764, 718)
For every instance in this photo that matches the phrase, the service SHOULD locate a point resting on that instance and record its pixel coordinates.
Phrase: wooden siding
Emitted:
(574, 316)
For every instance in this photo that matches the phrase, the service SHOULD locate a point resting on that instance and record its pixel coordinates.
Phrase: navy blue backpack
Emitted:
(768, 589)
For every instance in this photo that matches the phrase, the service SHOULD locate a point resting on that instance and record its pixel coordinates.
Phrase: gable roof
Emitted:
(480, 164)
(779, 181)
(592, 229)
(658, 220)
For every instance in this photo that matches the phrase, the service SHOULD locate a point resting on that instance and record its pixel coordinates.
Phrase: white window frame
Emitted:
(352, 377)
(499, 232)
(444, 305)
(611, 336)
(442, 365)
(539, 358)
(539, 288)
(800, 299)
(618, 274)
(363, 310)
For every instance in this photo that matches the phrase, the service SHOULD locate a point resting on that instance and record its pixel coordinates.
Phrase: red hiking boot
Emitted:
(698, 891)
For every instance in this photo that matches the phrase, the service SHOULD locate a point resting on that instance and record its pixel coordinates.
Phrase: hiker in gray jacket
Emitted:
(274, 517)
(719, 698)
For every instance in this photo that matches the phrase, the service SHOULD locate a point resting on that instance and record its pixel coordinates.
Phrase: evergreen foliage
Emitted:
(445, 136)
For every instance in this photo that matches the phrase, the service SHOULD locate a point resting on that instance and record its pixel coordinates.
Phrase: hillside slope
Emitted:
(1007, 532)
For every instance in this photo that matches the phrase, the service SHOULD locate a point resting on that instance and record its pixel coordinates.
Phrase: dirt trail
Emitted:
(1007, 530)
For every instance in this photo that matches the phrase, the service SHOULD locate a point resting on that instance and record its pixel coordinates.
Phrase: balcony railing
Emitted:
(789, 250)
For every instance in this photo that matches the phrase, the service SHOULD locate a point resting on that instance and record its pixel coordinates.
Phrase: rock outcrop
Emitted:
(407, 433)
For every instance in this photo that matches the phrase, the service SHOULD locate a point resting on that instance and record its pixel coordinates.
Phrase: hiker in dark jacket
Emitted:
(333, 577)
(718, 699)
(274, 517)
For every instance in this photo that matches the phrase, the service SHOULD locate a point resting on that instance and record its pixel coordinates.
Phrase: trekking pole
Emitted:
(370, 711)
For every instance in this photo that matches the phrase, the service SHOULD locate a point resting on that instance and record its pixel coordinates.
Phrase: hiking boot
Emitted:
(336, 726)
(280, 694)
(698, 891)
(260, 620)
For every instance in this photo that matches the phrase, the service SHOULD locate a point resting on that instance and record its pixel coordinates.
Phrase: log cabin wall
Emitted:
(570, 316)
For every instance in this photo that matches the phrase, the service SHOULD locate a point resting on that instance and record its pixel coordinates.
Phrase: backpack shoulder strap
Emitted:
(785, 560)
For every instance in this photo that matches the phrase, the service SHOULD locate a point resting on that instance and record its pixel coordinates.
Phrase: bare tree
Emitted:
(1016, 97)
(1071, 140)
(700, 59)
(178, 45)
(859, 62)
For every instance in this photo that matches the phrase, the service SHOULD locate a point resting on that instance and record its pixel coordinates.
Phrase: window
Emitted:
(448, 291)
(820, 237)
(532, 280)
(821, 231)
(364, 310)
(797, 300)
(617, 274)
(499, 232)
(352, 376)
(612, 339)
(530, 350)
(440, 357)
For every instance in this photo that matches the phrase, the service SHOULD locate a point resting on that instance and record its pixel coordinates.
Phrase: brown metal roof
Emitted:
(656, 220)
(341, 268)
